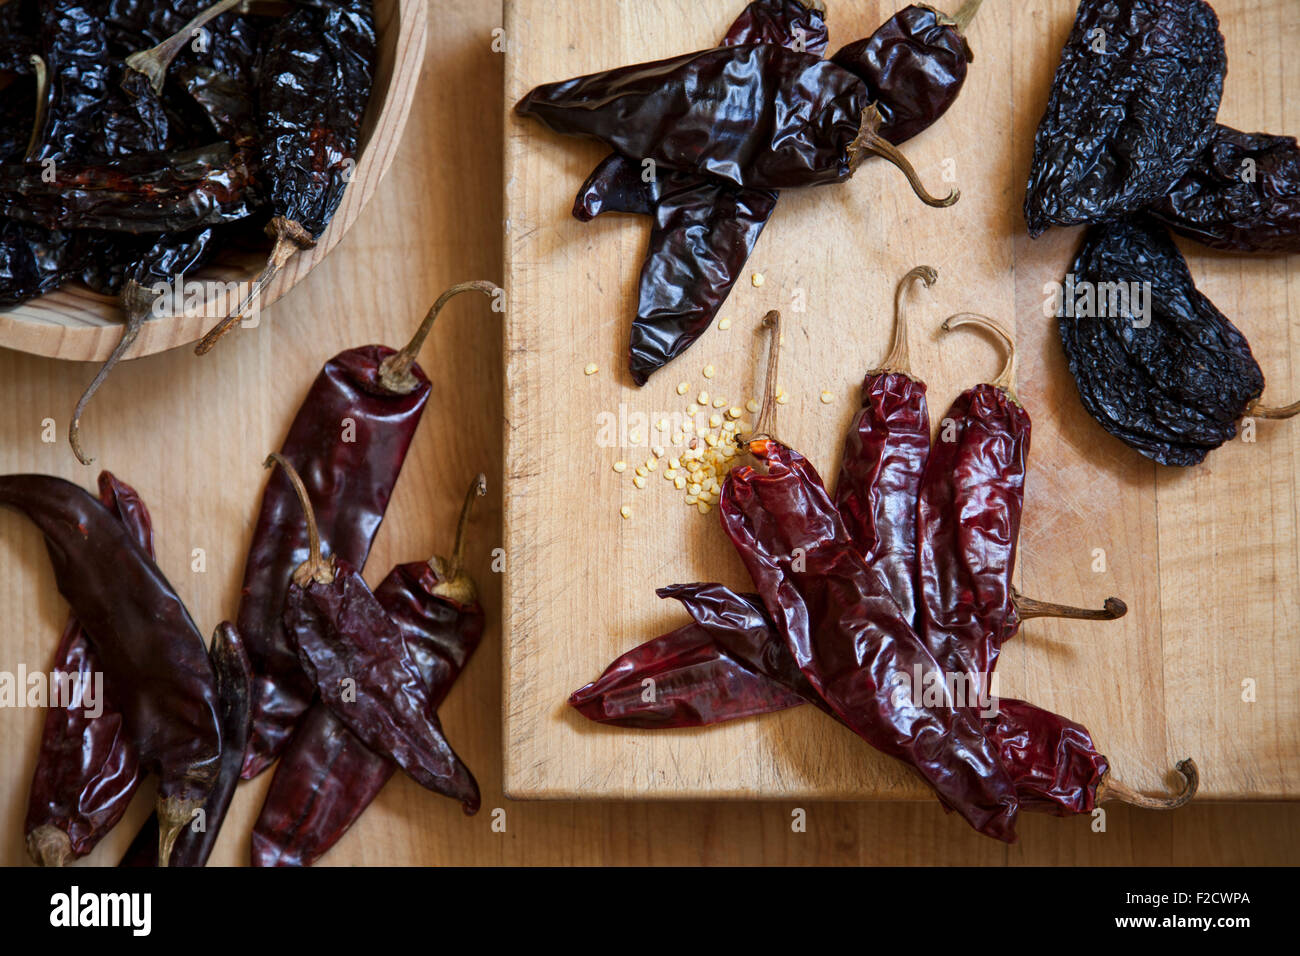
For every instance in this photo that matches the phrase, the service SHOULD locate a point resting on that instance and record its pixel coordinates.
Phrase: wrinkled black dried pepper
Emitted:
(1132, 106)
(1171, 377)
(1242, 194)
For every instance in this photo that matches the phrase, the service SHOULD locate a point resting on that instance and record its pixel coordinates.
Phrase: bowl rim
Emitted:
(29, 326)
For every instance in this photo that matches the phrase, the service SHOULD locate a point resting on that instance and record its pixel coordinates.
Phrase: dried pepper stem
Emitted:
(869, 142)
(395, 371)
(764, 426)
(899, 358)
(962, 18)
(317, 567)
(154, 62)
(1006, 379)
(453, 583)
(1112, 789)
(290, 237)
(47, 845)
(1028, 608)
(1256, 410)
(137, 303)
(42, 75)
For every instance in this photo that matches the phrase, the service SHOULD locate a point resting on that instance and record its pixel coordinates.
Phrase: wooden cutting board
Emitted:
(1206, 558)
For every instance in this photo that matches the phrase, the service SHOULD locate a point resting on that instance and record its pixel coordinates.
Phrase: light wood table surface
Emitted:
(190, 434)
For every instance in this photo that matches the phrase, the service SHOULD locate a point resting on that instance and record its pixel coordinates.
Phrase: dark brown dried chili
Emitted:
(154, 659)
(356, 658)
(87, 769)
(309, 141)
(327, 776)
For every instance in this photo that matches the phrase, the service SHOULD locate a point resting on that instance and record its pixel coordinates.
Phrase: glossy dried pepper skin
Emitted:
(703, 234)
(1053, 761)
(87, 769)
(327, 776)
(914, 64)
(1125, 123)
(153, 657)
(35, 260)
(968, 526)
(321, 785)
(1241, 195)
(310, 137)
(1173, 389)
(344, 635)
(143, 193)
(74, 44)
(849, 638)
(757, 115)
(787, 23)
(880, 474)
(350, 484)
(194, 845)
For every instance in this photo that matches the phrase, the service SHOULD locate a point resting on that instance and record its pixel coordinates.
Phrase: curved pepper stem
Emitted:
(317, 567)
(1256, 410)
(899, 358)
(1006, 379)
(1028, 608)
(869, 142)
(137, 303)
(154, 62)
(395, 371)
(765, 425)
(47, 845)
(290, 238)
(42, 75)
(453, 583)
(1112, 789)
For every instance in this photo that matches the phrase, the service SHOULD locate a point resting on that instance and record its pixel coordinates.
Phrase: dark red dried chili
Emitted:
(155, 661)
(348, 442)
(356, 657)
(327, 776)
(87, 769)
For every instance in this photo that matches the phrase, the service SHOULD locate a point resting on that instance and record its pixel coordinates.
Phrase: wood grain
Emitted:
(1205, 558)
(76, 323)
(190, 434)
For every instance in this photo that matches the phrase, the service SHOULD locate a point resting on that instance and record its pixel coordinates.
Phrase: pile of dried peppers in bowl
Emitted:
(138, 139)
(1131, 146)
(343, 682)
(885, 605)
(703, 143)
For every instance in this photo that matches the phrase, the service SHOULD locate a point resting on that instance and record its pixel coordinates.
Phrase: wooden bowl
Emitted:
(75, 323)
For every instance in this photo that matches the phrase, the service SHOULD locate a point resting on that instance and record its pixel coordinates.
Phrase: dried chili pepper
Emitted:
(1156, 364)
(19, 28)
(195, 842)
(74, 46)
(1242, 194)
(309, 138)
(145, 192)
(87, 769)
(756, 115)
(1132, 106)
(846, 632)
(35, 260)
(357, 659)
(348, 441)
(17, 115)
(169, 258)
(153, 656)
(327, 776)
(914, 64)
